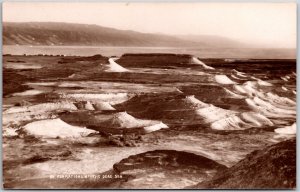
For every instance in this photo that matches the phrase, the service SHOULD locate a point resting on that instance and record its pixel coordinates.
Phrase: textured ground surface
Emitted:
(179, 126)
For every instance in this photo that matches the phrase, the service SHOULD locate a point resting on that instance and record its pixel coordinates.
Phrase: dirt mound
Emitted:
(159, 60)
(13, 82)
(162, 168)
(73, 59)
(271, 168)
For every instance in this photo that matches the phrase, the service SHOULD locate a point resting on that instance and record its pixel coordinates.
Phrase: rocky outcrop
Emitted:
(271, 168)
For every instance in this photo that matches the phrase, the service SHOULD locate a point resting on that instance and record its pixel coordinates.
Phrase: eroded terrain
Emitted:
(137, 122)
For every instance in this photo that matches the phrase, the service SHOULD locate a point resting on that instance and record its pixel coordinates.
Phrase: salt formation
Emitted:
(241, 121)
(194, 102)
(72, 76)
(42, 84)
(9, 132)
(280, 100)
(197, 61)
(115, 67)
(55, 128)
(264, 83)
(111, 98)
(284, 88)
(105, 106)
(223, 79)
(241, 74)
(256, 119)
(232, 94)
(284, 78)
(89, 106)
(235, 77)
(16, 115)
(287, 130)
(124, 120)
(222, 119)
(155, 127)
(43, 107)
(17, 118)
(213, 113)
(249, 88)
(230, 123)
(268, 109)
(28, 93)
(240, 89)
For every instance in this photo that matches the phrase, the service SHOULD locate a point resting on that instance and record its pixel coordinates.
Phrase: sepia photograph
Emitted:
(149, 95)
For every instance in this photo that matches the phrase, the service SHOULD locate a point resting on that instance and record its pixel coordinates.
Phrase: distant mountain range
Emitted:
(54, 33)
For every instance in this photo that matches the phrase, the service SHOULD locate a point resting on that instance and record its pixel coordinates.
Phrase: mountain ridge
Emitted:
(60, 33)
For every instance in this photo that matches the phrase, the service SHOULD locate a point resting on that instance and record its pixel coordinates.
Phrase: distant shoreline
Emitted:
(236, 53)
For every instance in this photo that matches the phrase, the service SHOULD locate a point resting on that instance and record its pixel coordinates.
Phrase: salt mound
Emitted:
(232, 94)
(56, 128)
(284, 88)
(197, 61)
(17, 118)
(264, 83)
(46, 84)
(287, 130)
(9, 132)
(230, 123)
(28, 93)
(155, 127)
(284, 78)
(194, 101)
(43, 107)
(223, 79)
(212, 113)
(240, 89)
(241, 74)
(269, 106)
(178, 90)
(72, 76)
(105, 106)
(256, 119)
(270, 111)
(235, 77)
(251, 89)
(280, 100)
(89, 106)
(124, 120)
(241, 121)
(112, 98)
(115, 67)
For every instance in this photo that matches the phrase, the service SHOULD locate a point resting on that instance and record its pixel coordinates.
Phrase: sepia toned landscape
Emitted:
(93, 107)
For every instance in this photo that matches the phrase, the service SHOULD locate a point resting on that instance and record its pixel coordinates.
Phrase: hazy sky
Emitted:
(266, 24)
